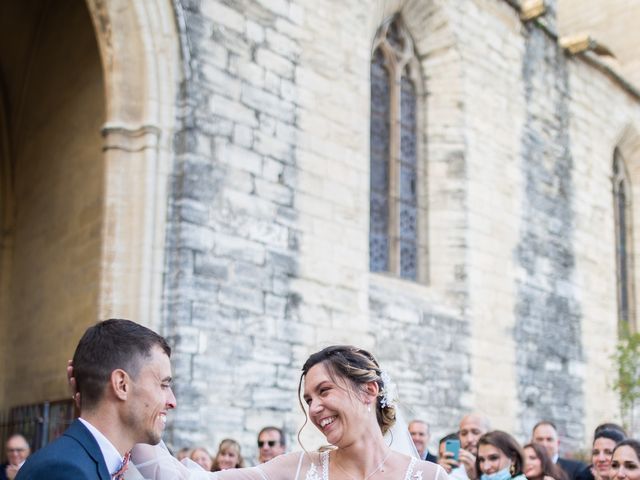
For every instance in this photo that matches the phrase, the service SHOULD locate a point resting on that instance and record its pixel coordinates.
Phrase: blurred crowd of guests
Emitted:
(473, 452)
(271, 443)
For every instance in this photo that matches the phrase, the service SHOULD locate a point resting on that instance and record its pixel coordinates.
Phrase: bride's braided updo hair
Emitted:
(358, 367)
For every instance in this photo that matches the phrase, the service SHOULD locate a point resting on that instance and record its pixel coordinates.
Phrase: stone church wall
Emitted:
(267, 240)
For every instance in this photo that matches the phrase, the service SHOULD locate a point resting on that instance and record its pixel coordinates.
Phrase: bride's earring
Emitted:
(368, 407)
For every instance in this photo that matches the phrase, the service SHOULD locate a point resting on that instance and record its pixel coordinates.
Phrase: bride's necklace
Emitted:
(379, 468)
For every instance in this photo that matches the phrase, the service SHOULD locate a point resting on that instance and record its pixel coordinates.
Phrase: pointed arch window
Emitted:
(624, 244)
(395, 241)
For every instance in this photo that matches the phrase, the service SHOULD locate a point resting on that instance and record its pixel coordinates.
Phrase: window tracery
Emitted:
(624, 244)
(394, 237)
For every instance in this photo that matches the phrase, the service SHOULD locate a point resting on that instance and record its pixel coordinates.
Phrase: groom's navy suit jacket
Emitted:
(75, 455)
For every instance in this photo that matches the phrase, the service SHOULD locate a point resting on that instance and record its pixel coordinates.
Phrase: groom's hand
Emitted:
(75, 394)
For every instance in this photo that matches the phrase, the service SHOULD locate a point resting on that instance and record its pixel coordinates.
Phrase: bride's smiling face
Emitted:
(334, 408)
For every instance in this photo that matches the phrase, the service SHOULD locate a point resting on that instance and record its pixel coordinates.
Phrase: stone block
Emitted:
(264, 231)
(196, 237)
(207, 313)
(220, 81)
(252, 73)
(239, 180)
(267, 124)
(272, 83)
(264, 101)
(280, 194)
(223, 15)
(222, 106)
(270, 146)
(243, 203)
(237, 248)
(275, 305)
(254, 31)
(243, 136)
(275, 352)
(251, 276)
(288, 377)
(242, 298)
(238, 157)
(279, 7)
(282, 44)
(192, 211)
(210, 266)
(272, 169)
(296, 13)
(276, 63)
(256, 373)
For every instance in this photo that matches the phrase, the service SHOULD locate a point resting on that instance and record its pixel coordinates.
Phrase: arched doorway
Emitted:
(88, 111)
(53, 108)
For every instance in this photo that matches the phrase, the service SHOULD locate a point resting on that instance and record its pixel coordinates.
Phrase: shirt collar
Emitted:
(112, 457)
(555, 458)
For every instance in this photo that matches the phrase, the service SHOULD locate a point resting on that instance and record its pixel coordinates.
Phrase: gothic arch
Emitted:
(437, 48)
(626, 155)
(139, 48)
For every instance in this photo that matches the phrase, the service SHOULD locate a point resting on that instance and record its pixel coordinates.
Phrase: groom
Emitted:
(123, 375)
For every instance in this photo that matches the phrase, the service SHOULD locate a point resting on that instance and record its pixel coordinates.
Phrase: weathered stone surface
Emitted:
(267, 252)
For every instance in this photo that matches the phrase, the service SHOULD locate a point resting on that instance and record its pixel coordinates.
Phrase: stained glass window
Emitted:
(394, 209)
(624, 265)
(379, 181)
(408, 179)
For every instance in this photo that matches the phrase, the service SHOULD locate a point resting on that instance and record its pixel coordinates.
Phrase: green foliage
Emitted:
(627, 362)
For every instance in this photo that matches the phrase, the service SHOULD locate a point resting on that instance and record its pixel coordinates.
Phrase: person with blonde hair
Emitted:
(228, 456)
(202, 457)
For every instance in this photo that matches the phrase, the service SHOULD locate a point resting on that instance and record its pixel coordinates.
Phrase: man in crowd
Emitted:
(420, 434)
(545, 434)
(123, 375)
(17, 450)
(472, 427)
(270, 443)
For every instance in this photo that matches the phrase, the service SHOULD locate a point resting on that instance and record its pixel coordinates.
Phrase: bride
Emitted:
(350, 400)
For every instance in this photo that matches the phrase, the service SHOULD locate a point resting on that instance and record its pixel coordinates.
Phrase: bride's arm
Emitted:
(283, 467)
(154, 462)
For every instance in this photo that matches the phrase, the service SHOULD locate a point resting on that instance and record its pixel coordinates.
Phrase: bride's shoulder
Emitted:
(294, 465)
(295, 458)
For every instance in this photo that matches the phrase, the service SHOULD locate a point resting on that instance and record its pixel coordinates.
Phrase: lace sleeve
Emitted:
(154, 462)
(426, 471)
(290, 466)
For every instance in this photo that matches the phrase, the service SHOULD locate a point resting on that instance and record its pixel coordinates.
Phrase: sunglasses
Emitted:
(271, 443)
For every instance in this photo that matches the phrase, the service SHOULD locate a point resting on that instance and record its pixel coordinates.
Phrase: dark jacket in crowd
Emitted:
(573, 468)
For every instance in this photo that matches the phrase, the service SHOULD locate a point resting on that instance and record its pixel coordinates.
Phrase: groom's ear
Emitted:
(120, 383)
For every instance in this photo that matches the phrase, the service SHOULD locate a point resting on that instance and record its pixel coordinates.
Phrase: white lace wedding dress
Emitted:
(156, 463)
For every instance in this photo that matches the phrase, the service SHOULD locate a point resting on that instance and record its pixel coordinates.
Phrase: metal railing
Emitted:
(40, 423)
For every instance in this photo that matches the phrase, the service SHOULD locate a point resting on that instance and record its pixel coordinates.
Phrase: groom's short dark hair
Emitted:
(107, 346)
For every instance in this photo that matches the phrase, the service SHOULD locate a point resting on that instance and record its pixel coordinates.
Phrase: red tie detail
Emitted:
(119, 475)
